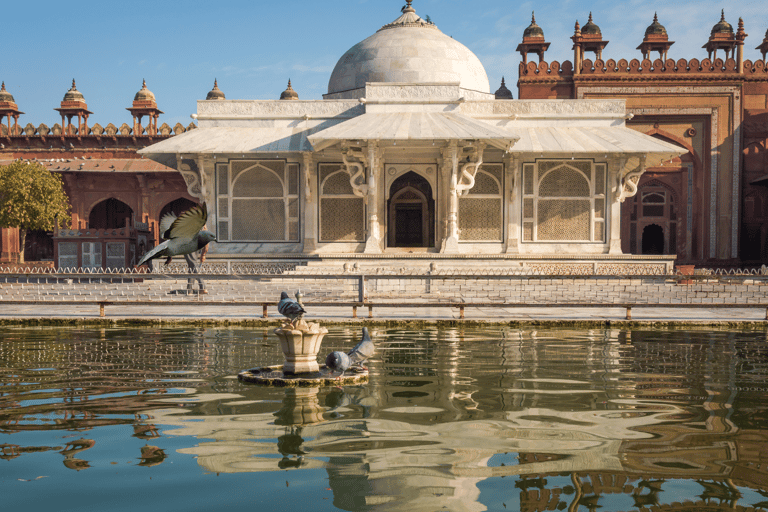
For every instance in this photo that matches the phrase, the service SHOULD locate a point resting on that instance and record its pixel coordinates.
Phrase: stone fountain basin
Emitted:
(274, 376)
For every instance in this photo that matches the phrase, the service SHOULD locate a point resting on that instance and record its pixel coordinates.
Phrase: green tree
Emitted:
(31, 197)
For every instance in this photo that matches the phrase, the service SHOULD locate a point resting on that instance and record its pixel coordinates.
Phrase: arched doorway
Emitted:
(653, 212)
(109, 214)
(653, 239)
(177, 207)
(410, 212)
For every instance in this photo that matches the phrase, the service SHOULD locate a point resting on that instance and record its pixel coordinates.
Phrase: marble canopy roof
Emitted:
(580, 140)
(413, 126)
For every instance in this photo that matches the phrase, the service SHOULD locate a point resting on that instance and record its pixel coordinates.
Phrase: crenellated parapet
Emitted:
(554, 69)
(111, 130)
(670, 67)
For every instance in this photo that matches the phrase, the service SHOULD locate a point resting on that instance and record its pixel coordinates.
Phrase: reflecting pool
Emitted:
(458, 419)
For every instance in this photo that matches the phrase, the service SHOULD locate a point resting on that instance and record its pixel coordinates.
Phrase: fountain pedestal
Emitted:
(300, 346)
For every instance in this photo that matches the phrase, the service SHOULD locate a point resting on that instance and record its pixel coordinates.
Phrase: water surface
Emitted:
(455, 419)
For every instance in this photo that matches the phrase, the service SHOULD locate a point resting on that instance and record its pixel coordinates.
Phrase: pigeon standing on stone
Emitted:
(289, 308)
(362, 351)
(183, 234)
(339, 361)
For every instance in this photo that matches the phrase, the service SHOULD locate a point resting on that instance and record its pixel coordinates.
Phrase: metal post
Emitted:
(370, 311)
(361, 288)
(629, 312)
(354, 311)
(101, 309)
(264, 311)
(461, 312)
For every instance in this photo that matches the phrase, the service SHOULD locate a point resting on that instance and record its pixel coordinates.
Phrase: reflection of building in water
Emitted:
(409, 461)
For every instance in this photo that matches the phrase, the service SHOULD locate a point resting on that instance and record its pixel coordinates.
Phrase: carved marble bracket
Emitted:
(192, 171)
(355, 163)
(465, 178)
(627, 179)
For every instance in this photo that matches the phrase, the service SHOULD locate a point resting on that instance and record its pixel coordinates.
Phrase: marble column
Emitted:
(512, 202)
(615, 170)
(373, 242)
(451, 241)
(309, 226)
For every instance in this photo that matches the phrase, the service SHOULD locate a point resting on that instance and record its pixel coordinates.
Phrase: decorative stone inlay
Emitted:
(277, 108)
(546, 107)
(432, 92)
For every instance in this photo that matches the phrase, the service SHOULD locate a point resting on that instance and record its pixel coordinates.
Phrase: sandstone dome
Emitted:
(408, 50)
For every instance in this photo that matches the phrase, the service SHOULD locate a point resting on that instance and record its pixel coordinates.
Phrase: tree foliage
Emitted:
(32, 197)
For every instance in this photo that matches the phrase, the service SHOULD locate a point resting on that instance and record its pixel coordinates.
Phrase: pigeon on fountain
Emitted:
(183, 234)
(362, 351)
(339, 361)
(289, 308)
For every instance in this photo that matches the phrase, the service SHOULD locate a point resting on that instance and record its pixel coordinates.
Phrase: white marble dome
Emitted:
(408, 50)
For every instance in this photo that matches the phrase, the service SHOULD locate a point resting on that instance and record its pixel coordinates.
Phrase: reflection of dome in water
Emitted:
(408, 50)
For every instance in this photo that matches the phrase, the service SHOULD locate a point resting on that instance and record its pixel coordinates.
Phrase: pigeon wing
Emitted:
(156, 252)
(189, 223)
(165, 224)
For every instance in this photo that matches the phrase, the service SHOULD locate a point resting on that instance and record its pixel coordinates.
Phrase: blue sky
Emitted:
(253, 47)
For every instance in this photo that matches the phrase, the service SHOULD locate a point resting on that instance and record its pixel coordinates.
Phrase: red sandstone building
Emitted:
(710, 207)
(117, 197)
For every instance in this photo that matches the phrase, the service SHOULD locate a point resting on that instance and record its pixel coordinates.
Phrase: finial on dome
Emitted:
(74, 88)
(2, 88)
(503, 93)
(215, 93)
(655, 18)
(408, 8)
(577, 28)
(533, 17)
(289, 93)
(722, 15)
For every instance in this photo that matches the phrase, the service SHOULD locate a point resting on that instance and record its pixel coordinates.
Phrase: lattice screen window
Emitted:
(257, 201)
(115, 254)
(68, 254)
(480, 211)
(564, 201)
(342, 213)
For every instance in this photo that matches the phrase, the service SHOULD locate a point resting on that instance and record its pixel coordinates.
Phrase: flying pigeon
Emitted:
(289, 308)
(183, 234)
(339, 361)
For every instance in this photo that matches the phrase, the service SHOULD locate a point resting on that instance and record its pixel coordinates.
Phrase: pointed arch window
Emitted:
(564, 201)
(257, 201)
